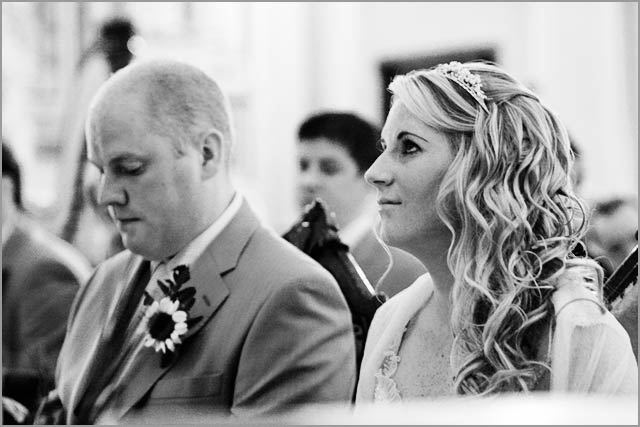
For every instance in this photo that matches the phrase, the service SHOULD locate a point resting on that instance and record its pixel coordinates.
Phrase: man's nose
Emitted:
(310, 178)
(379, 173)
(110, 193)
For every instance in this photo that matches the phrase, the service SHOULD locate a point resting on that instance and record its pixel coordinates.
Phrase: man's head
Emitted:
(334, 151)
(11, 184)
(160, 133)
(613, 232)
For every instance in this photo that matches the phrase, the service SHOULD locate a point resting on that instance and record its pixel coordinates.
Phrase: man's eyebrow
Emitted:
(405, 133)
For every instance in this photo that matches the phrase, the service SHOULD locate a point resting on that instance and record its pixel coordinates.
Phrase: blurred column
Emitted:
(337, 61)
(279, 76)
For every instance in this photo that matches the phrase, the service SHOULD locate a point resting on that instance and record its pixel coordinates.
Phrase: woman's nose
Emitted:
(378, 174)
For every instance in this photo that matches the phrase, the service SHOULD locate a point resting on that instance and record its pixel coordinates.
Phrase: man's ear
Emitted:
(211, 148)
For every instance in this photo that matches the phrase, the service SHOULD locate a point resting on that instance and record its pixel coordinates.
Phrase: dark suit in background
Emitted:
(40, 277)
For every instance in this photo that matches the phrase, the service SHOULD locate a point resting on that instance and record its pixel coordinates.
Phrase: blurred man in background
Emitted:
(611, 237)
(40, 277)
(612, 234)
(334, 150)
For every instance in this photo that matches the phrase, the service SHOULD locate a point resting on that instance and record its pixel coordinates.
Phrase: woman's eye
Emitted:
(409, 147)
(381, 146)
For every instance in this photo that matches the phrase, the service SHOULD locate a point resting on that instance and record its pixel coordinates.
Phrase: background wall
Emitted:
(282, 61)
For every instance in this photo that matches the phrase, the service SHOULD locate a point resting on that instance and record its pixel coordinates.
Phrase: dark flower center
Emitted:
(161, 326)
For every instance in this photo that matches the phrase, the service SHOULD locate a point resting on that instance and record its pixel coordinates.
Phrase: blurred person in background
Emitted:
(612, 236)
(474, 180)
(40, 277)
(87, 225)
(334, 150)
(612, 233)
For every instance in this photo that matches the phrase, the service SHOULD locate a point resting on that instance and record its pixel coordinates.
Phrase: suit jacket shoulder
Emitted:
(275, 331)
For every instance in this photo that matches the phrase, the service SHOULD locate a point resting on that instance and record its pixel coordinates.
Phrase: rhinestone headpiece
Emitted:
(469, 81)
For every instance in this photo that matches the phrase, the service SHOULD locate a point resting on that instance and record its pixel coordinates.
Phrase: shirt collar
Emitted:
(192, 251)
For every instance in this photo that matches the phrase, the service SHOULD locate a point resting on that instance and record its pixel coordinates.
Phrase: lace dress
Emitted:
(386, 389)
(590, 352)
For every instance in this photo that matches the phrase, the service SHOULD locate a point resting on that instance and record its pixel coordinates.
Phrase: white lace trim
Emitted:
(386, 389)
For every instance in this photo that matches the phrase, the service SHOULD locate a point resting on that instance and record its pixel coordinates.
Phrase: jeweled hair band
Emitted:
(466, 79)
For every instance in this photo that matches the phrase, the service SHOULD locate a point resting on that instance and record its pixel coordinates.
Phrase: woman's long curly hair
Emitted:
(508, 202)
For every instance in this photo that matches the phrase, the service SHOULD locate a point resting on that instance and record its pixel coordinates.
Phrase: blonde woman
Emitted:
(474, 180)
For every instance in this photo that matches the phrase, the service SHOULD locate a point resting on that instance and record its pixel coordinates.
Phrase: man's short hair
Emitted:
(181, 100)
(356, 135)
(11, 169)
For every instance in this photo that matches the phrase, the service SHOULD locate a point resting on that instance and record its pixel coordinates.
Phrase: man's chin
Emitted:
(135, 246)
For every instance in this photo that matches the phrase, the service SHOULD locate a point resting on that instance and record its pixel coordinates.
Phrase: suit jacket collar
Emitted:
(14, 242)
(220, 257)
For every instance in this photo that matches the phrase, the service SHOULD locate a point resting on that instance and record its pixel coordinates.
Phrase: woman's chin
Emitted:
(391, 238)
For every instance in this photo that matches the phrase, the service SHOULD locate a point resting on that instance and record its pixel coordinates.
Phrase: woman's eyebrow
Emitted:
(405, 133)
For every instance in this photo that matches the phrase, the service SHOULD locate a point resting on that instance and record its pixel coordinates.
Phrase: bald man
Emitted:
(207, 313)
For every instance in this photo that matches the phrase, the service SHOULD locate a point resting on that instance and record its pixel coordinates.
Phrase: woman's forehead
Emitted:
(400, 119)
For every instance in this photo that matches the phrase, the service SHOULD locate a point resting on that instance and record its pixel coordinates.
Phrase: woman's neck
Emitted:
(434, 258)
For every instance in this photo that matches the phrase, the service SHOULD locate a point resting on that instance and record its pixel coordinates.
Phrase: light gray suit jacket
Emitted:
(276, 332)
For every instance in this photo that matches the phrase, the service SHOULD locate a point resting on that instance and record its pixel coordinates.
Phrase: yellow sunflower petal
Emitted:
(180, 328)
(153, 309)
(165, 305)
(174, 307)
(179, 316)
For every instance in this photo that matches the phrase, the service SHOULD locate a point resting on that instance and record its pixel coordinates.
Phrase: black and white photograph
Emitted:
(369, 213)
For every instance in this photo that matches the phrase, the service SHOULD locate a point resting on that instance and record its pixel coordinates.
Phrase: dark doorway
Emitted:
(393, 67)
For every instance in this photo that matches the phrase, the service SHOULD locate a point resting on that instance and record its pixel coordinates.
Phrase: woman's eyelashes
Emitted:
(409, 147)
(403, 147)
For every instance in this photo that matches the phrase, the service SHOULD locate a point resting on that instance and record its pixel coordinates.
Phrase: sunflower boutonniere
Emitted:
(168, 319)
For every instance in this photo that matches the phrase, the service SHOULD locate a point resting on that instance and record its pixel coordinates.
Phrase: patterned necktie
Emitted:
(111, 341)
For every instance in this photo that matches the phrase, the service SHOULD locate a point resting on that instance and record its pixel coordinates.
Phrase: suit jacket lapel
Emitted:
(97, 363)
(220, 257)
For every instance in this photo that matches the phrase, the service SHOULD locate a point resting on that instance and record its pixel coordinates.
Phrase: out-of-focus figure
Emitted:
(612, 236)
(88, 226)
(334, 151)
(613, 231)
(40, 277)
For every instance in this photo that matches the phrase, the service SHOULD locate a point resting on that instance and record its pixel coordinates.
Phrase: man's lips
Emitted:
(385, 201)
(127, 220)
